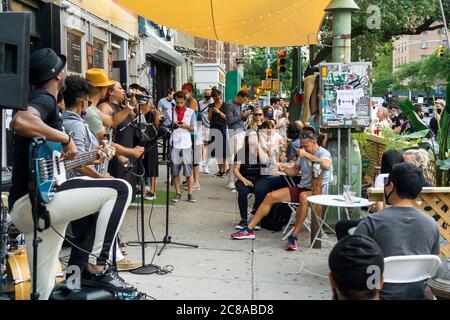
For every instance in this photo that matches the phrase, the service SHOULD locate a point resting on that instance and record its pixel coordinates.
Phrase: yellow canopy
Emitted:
(266, 23)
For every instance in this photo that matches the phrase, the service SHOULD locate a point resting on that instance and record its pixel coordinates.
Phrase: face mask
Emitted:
(270, 114)
(207, 98)
(387, 196)
(83, 114)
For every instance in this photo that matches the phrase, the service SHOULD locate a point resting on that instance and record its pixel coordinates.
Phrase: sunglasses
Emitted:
(306, 136)
(257, 114)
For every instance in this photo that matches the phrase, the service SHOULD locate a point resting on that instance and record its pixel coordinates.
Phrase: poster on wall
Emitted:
(90, 55)
(345, 91)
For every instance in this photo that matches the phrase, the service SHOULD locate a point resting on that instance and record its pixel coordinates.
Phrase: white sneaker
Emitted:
(230, 185)
(196, 187)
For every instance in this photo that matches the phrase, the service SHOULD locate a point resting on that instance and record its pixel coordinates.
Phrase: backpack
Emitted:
(277, 218)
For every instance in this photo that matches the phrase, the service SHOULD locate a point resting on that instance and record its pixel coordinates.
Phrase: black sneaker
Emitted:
(190, 198)
(109, 280)
(241, 225)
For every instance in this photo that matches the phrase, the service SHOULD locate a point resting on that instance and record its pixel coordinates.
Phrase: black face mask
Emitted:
(387, 196)
(207, 98)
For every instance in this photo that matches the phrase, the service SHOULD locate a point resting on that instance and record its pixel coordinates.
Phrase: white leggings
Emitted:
(76, 198)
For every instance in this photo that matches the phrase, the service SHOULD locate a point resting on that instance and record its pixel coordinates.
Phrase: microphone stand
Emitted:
(144, 268)
(148, 269)
(167, 238)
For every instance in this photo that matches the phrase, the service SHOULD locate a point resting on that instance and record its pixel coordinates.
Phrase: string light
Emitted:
(272, 24)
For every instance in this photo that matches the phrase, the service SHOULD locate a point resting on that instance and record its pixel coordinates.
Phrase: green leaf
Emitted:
(416, 135)
(408, 109)
(444, 164)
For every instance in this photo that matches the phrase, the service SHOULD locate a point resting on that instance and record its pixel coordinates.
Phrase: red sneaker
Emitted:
(292, 243)
(245, 233)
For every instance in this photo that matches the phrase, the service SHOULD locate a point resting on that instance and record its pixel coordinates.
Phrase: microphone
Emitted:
(130, 94)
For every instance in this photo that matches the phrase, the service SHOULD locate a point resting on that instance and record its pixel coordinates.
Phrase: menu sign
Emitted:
(99, 54)
(73, 53)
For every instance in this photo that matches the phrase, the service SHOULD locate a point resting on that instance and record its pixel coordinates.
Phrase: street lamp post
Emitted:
(341, 11)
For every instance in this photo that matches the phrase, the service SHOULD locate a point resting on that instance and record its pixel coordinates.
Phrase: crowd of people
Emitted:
(389, 116)
(257, 151)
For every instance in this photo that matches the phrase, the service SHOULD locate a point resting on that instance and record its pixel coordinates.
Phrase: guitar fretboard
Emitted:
(81, 160)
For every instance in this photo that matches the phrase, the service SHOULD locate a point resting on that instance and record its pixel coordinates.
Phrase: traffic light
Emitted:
(281, 61)
(268, 73)
(440, 51)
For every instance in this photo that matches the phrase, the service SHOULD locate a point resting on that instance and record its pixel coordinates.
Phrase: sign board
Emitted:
(267, 84)
(275, 85)
(345, 91)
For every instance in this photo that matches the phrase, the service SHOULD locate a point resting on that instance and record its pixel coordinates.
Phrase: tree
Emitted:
(424, 75)
(382, 74)
(398, 17)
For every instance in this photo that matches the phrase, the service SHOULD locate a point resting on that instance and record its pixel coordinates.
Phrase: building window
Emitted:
(99, 54)
(73, 53)
(424, 45)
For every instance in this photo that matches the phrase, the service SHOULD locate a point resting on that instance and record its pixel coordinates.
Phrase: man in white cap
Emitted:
(434, 122)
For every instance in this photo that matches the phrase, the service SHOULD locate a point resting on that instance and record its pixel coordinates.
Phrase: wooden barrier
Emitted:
(374, 150)
(435, 202)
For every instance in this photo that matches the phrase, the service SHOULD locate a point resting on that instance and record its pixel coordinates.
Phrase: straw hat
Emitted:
(98, 78)
(440, 101)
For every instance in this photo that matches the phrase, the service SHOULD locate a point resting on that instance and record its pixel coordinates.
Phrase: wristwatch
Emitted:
(70, 139)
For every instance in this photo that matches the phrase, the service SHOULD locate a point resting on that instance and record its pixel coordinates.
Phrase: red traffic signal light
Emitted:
(281, 61)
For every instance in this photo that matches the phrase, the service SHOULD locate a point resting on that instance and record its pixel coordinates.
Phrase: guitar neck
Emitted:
(81, 160)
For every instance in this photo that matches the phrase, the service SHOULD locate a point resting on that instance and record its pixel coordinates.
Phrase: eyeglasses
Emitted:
(85, 99)
(305, 136)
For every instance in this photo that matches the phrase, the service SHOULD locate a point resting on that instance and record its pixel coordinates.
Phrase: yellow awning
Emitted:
(266, 23)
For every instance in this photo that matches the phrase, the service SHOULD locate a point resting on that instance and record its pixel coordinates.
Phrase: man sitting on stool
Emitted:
(309, 152)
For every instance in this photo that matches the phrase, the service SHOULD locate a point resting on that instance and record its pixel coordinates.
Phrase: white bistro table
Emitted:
(337, 201)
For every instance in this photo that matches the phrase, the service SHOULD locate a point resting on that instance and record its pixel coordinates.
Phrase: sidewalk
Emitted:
(221, 268)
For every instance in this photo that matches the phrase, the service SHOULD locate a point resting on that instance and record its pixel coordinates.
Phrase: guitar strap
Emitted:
(39, 210)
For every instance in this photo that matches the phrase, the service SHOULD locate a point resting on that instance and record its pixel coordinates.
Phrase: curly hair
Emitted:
(420, 157)
(75, 88)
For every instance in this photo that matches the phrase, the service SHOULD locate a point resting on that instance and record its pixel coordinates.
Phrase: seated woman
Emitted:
(419, 158)
(249, 163)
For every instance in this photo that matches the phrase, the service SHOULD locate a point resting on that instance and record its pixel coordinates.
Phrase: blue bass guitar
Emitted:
(50, 168)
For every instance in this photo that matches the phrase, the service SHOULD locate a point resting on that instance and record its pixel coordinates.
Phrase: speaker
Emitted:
(14, 59)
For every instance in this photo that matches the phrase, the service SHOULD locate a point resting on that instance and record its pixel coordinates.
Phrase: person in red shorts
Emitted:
(310, 151)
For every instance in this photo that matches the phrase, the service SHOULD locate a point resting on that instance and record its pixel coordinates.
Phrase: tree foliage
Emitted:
(255, 64)
(424, 75)
(398, 17)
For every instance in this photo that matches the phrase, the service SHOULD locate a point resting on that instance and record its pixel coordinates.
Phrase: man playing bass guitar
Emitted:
(75, 198)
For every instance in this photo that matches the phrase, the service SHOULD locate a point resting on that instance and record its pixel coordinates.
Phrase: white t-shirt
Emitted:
(379, 180)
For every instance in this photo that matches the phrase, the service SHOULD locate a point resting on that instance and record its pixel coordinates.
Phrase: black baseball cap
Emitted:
(350, 259)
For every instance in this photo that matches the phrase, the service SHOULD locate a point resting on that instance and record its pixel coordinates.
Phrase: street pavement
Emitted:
(220, 268)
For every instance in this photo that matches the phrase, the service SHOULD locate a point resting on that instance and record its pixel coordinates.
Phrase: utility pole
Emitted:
(445, 23)
(342, 29)
(268, 65)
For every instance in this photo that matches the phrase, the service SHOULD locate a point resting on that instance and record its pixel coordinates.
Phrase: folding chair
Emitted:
(294, 205)
(411, 268)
